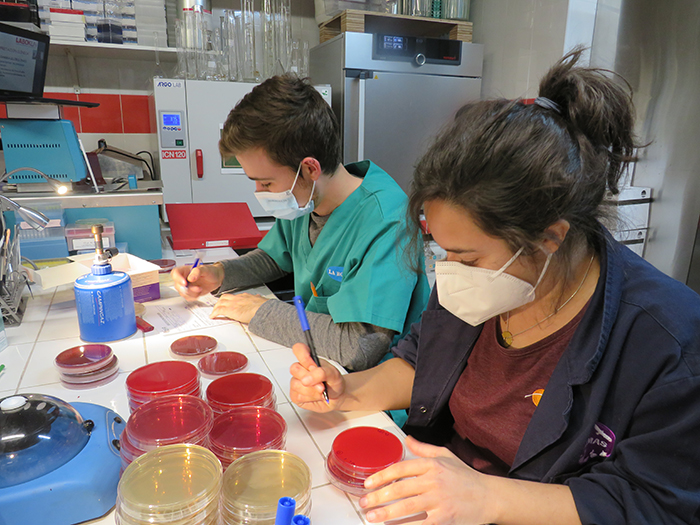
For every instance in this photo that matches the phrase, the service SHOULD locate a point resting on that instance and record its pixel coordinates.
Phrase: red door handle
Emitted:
(200, 163)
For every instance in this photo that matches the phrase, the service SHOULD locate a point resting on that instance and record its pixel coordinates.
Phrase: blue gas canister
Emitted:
(104, 299)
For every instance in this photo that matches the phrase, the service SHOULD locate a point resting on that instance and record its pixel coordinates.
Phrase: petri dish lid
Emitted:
(38, 434)
(240, 389)
(83, 358)
(162, 377)
(222, 363)
(174, 478)
(255, 482)
(364, 450)
(247, 428)
(169, 419)
(193, 345)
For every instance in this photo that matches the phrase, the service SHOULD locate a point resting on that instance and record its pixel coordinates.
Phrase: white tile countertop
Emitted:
(50, 326)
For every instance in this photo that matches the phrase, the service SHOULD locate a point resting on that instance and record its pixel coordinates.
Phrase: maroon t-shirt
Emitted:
(497, 394)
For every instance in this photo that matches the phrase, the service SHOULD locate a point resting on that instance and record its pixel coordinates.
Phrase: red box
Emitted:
(212, 225)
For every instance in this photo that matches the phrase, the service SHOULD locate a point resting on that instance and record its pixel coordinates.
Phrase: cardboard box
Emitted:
(144, 275)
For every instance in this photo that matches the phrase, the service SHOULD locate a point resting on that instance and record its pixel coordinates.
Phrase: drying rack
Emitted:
(12, 302)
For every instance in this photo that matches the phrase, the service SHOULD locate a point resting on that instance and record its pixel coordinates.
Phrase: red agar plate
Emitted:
(222, 363)
(240, 389)
(165, 264)
(193, 345)
(365, 450)
(83, 359)
(161, 378)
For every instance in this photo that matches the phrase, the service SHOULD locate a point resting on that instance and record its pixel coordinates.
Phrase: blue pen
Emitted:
(285, 511)
(197, 262)
(301, 312)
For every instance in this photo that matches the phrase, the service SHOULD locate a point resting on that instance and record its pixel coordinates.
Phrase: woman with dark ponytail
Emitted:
(554, 377)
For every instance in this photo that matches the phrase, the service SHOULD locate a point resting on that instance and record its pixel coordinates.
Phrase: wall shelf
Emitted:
(111, 51)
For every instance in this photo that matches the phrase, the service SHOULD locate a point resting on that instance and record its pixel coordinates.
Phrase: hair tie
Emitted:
(546, 103)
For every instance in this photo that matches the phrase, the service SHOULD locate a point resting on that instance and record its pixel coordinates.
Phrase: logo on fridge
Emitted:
(168, 84)
(174, 154)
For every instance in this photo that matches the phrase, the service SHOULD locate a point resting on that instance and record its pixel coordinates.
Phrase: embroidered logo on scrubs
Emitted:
(599, 444)
(336, 273)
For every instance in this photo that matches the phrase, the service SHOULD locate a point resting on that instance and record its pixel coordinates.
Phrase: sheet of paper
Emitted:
(175, 315)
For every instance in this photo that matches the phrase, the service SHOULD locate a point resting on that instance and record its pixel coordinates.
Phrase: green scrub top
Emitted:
(357, 261)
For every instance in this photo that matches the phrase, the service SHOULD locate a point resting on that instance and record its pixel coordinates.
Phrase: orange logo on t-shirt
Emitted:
(536, 396)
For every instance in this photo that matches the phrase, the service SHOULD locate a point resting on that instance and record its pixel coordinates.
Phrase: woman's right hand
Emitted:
(192, 283)
(306, 387)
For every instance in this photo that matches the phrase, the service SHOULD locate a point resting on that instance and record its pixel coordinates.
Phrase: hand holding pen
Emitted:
(301, 312)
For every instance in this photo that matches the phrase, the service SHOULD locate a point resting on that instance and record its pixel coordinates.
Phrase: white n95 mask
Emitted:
(284, 205)
(477, 294)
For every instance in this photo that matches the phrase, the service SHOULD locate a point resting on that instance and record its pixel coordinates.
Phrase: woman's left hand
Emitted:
(438, 483)
(239, 307)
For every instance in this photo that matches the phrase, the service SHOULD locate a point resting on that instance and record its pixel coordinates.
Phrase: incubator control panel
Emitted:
(171, 129)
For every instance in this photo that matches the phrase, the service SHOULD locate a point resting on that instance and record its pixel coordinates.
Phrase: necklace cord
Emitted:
(508, 337)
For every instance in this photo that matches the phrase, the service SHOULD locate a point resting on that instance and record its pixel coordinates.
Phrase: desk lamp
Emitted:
(35, 219)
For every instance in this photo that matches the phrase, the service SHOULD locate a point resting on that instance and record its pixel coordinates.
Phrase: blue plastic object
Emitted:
(83, 488)
(285, 511)
(105, 303)
(51, 146)
(300, 519)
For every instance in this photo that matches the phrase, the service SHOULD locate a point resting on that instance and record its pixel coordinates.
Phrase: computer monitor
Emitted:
(24, 55)
(23, 59)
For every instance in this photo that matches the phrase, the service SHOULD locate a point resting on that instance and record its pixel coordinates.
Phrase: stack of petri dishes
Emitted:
(172, 484)
(243, 430)
(87, 366)
(240, 390)
(161, 379)
(359, 452)
(166, 420)
(253, 485)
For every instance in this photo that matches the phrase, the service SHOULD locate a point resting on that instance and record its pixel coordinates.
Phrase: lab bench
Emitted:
(50, 326)
(135, 213)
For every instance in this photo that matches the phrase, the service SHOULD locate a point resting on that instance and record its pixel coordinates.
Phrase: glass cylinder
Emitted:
(246, 31)
(268, 24)
(180, 43)
(455, 9)
(229, 39)
(283, 36)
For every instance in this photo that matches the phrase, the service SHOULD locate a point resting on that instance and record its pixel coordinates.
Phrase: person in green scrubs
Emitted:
(338, 230)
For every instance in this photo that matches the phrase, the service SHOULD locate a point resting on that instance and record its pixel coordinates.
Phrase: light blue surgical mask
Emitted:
(284, 205)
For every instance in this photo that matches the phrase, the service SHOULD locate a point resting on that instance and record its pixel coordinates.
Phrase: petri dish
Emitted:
(247, 429)
(164, 377)
(252, 486)
(90, 377)
(359, 452)
(165, 265)
(83, 358)
(243, 389)
(222, 363)
(193, 345)
(168, 484)
(170, 419)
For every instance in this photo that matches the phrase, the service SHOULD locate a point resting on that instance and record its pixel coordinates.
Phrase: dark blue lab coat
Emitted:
(633, 365)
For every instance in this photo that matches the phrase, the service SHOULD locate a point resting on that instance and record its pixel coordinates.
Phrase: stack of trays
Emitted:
(359, 452)
(253, 485)
(241, 431)
(172, 484)
(240, 390)
(87, 366)
(161, 379)
(166, 420)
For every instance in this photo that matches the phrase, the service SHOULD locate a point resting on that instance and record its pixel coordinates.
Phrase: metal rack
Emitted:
(12, 302)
